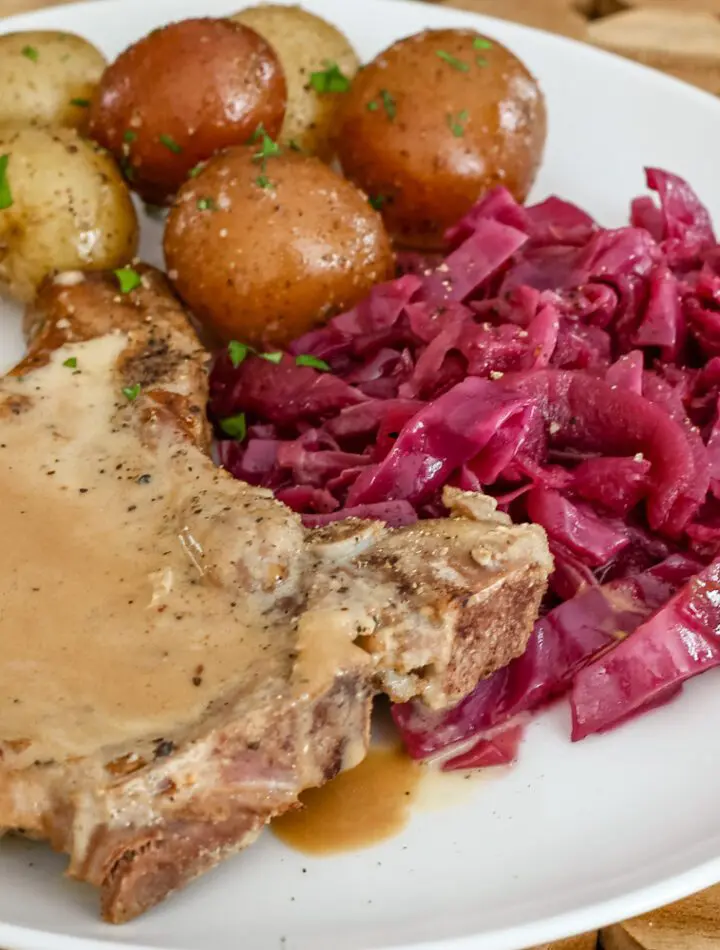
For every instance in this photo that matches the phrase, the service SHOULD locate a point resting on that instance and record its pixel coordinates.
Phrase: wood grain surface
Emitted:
(681, 37)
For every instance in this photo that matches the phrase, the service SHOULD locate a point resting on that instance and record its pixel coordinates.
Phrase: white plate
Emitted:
(574, 836)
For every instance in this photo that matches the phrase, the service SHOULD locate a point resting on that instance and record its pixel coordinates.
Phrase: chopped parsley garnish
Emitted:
(457, 123)
(372, 106)
(481, 61)
(169, 142)
(80, 103)
(6, 198)
(453, 61)
(128, 279)
(131, 392)
(306, 359)
(262, 181)
(271, 357)
(129, 136)
(330, 79)
(126, 168)
(481, 43)
(71, 362)
(377, 201)
(389, 104)
(238, 352)
(268, 147)
(235, 426)
(29, 52)
(206, 204)
(194, 172)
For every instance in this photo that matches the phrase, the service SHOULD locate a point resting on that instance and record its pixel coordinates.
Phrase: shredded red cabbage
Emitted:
(571, 371)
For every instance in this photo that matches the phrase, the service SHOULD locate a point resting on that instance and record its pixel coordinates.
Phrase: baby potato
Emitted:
(434, 122)
(319, 63)
(263, 250)
(47, 78)
(63, 206)
(181, 94)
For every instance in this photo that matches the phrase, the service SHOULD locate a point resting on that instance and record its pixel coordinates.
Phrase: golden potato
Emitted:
(264, 249)
(434, 122)
(47, 78)
(182, 93)
(306, 45)
(63, 206)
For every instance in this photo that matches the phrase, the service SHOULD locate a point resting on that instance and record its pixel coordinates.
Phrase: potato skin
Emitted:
(305, 43)
(70, 209)
(181, 94)
(39, 85)
(455, 125)
(266, 264)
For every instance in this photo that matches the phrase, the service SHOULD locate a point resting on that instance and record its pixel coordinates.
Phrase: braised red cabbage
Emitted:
(569, 370)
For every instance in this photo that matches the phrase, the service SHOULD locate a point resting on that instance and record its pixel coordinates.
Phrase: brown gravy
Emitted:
(359, 808)
(116, 621)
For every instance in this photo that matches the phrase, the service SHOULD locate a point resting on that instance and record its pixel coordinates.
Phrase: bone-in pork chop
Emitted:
(180, 657)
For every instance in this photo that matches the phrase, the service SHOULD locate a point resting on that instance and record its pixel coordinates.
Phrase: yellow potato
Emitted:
(306, 44)
(47, 78)
(63, 206)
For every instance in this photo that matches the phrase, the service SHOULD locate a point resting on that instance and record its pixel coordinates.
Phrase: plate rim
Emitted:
(562, 926)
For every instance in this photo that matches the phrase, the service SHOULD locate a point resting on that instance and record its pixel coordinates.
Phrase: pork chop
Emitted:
(180, 657)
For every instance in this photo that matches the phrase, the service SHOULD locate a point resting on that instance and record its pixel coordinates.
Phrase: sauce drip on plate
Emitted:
(359, 808)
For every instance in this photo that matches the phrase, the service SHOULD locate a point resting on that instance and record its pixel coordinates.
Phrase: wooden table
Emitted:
(681, 37)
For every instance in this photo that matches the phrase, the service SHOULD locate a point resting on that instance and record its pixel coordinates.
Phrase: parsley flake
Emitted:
(128, 279)
(238, 352)
(129, 136)
(330, 79)
(80, 103)
(377, 201)
(452, 61)
(6, 198)
(457, 123)
(271, 357)
(194, 172)
(126, 168)
(306, 359)
(206, 204)
(481, 61)
(131, 392)
(235, 426)
(389, 104)
(372, 106)
(71, 362)
(293, 146)
(169, 142)
(262, 181)
(29, 52)
(268, 147)
(481, 43)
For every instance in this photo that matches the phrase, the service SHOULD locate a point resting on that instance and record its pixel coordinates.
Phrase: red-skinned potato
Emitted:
(263, 250)
(181, 94)
(434, 122)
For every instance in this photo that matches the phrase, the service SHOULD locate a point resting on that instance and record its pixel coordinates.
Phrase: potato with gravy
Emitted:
(319, 65)
(433, 123)
(264, 244)
(63, 206)
(181, 94)
(47, 78)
